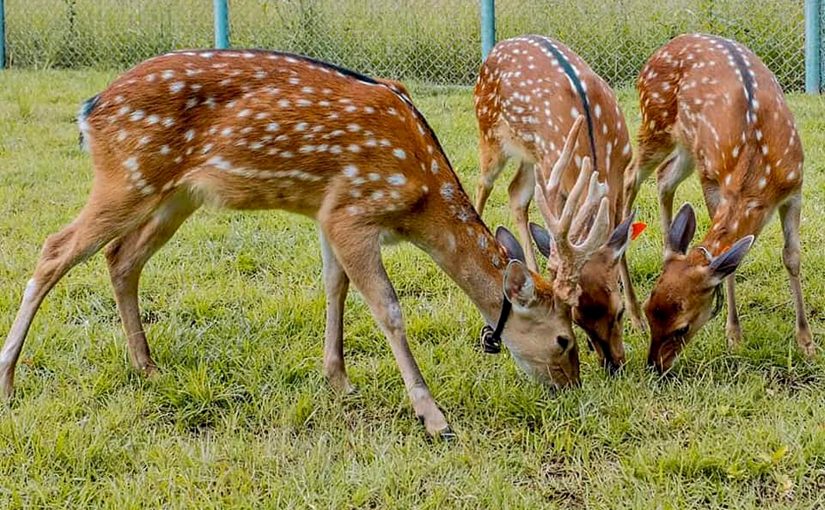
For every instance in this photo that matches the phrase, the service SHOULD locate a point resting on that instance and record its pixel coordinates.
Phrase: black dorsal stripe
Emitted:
(744, 70)
(567, 67)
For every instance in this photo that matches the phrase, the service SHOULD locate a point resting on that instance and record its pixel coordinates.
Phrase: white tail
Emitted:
(529, 92)
(263, 130)
(710, 103)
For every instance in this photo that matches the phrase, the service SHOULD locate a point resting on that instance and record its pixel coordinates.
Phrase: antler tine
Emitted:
(595, 192)
(572, 205)
(597, 236)
(545, 192)
(562, 163)
(543, 203)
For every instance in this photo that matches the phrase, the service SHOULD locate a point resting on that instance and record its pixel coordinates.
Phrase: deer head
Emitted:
(688, 293)
(576, 229)
(590, 278)
(535, 317)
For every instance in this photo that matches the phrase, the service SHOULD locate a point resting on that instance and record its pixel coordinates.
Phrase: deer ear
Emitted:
(511, 245)
(681, 230)
(620, 238)
(518, 285)
(725, 264)
(543, 239)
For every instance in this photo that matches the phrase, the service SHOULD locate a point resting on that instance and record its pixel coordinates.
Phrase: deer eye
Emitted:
(620, 315)
(563, 342)
(681, 332)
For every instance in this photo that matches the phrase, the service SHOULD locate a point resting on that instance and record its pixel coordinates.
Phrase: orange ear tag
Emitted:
(637, 229)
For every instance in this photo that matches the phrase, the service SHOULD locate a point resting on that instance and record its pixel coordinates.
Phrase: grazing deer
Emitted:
(710, 102)
(529, 92)
(266, 130)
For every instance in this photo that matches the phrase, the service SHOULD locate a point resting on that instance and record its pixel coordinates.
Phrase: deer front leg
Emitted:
(521, 193)
(789, 213)
(630, 298)
(733, 329)
(357, 249)
(668, 177)
(653, 149)
(336, 285)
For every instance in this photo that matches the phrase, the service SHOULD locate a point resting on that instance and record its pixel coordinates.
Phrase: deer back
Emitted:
(530, 91)
(717, 98)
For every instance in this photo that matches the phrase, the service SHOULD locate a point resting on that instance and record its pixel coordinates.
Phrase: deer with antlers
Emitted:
(267, 130)
(529, 93)
(710, 103)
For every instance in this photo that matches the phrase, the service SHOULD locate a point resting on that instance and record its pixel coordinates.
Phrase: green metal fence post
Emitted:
(2, 35)
(813, 41)
(221, 24)
(488, 27)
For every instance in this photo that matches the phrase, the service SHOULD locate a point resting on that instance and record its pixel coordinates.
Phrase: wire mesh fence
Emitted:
(432, 41)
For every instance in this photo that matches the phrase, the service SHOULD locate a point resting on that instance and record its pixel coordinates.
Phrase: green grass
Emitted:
(241, 415)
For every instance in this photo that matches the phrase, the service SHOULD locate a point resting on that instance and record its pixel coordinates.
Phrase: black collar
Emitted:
(490, 338)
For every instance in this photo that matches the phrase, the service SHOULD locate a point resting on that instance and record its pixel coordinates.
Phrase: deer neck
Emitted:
(734, 219)
(465, 249)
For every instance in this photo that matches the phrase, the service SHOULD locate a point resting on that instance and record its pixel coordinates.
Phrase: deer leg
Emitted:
(733, 329)
(359, 253)
(98, 223)
(668, 177)
(521, 193)
(648, 159)
(631, 300)
(492, 162)
(789, 213)
(126, 258)
(336, 285)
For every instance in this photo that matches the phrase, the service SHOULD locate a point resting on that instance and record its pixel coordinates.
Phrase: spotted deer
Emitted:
(266, 130)
(711, 103)
(529, 92)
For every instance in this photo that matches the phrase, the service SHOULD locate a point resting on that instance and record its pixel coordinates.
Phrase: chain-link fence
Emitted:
(433, 41)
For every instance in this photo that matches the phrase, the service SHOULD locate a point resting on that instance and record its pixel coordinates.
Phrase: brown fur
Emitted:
(695, 104)
(524, 105)
(261, 130)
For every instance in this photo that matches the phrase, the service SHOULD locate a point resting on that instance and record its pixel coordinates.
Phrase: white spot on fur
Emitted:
(350, 171)
(397, 179)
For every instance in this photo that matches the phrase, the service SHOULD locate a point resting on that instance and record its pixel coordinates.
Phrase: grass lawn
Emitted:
(241, 415)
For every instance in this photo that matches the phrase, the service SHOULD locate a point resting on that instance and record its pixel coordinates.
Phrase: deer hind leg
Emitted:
(100, 221)
(357, 249)
(492, 161)
(789, 213)
(669, 175)
(336, 285)
(521, 193)
(126, 258)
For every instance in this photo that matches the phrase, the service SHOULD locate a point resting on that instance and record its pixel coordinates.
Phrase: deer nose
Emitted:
(614, 366)
(660, 361)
